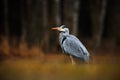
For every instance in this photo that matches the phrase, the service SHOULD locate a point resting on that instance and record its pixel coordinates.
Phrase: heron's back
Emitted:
(73, 46)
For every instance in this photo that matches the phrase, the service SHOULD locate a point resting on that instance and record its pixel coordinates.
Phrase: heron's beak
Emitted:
(58, 28)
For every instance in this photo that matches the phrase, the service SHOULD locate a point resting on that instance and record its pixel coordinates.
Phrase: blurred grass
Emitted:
(33, 69)
(23, 63)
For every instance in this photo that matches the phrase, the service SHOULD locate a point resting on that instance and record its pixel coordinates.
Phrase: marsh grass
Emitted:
(32, 64)
(33, 69)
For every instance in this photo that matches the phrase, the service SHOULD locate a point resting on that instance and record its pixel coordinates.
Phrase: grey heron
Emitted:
(71, 45)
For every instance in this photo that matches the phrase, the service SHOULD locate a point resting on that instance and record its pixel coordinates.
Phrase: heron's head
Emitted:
(62, 28)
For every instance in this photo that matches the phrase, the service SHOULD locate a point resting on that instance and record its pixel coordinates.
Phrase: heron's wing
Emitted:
(74, 47)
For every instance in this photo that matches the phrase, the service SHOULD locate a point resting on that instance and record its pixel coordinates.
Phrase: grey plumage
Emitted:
(72, 45)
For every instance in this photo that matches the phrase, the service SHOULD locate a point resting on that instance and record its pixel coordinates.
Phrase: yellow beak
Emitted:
(56, 28)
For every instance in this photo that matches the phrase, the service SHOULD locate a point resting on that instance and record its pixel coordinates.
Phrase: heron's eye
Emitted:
(64, 26)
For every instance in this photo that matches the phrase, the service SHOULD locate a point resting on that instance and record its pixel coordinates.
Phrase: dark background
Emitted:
(94, 22)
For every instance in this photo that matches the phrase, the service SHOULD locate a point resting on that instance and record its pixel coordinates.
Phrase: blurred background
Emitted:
(25, 33)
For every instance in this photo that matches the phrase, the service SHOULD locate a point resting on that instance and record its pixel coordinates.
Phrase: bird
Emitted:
(71, 45)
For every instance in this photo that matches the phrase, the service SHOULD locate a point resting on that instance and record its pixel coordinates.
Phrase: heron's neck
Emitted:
(63, 34)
